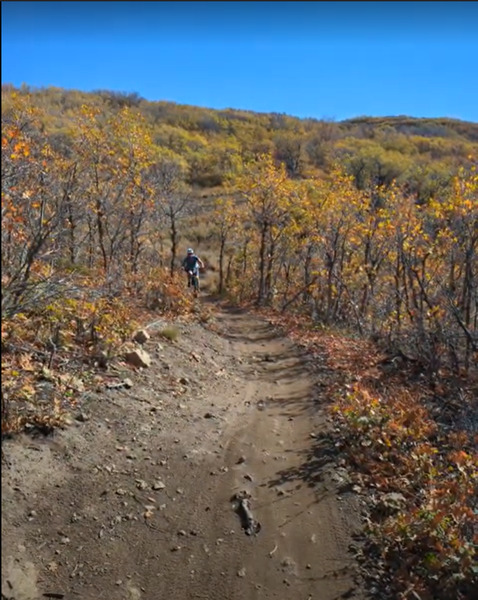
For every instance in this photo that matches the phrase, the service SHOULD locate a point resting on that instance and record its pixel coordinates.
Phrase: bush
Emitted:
(170, 333)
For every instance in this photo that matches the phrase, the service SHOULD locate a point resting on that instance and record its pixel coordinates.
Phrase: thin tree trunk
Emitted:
(174, 241)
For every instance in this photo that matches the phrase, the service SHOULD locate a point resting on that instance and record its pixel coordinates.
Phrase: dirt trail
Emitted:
(80, 516)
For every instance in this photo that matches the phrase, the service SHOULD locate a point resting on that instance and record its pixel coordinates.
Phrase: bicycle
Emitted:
(193, 280)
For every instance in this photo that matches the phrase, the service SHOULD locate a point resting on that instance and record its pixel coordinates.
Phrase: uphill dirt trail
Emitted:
(149, 493)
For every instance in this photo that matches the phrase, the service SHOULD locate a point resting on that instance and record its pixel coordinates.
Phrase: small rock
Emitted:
(240, 460)
(138, 358)
(148, 512)
(141, 336)
(241, 572)
(82, 417)
(184, 381)
(128, 384)
(209, 415)
(158, 485)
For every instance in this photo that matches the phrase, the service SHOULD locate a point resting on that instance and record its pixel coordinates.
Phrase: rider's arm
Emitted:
(201, 264)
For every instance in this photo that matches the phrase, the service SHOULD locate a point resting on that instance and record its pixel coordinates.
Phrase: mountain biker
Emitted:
(191, 264)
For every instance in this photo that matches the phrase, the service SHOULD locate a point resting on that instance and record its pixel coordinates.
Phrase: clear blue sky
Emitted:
(308, 59)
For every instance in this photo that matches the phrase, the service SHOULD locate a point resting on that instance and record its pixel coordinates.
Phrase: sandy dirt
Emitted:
(134, 500)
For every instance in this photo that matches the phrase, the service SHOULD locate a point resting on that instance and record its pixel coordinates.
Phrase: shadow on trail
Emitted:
(315, 462)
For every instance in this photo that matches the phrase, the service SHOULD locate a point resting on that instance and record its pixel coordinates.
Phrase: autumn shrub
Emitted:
(394, 445)
(63, 336)
(160, 292)
(396, 270)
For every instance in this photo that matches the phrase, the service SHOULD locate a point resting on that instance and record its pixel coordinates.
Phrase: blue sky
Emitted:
(333, 60)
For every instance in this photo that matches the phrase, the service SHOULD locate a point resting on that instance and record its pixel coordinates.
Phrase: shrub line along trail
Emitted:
(137, 502)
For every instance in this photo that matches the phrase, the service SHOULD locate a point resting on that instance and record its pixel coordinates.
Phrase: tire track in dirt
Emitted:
(301, 550)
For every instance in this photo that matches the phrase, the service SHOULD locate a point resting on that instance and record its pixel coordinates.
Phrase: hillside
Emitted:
(350, 248)
(215, 142)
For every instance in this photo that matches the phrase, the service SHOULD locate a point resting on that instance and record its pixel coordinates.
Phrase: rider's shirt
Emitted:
(191, 263)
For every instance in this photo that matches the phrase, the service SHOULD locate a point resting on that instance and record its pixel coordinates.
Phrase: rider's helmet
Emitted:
(190, 251)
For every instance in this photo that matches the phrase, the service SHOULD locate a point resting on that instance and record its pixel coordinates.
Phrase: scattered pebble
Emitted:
(82, 417)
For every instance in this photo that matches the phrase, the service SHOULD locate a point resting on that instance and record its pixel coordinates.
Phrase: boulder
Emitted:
(138, 358)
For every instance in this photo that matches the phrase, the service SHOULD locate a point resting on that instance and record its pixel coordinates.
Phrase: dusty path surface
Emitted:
(135, 499)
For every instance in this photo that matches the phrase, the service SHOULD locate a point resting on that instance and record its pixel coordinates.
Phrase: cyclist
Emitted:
(191, 264)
